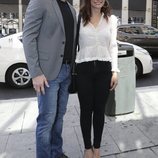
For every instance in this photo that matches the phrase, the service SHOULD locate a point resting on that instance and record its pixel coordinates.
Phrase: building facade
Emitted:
(137, 11)
(155, 13)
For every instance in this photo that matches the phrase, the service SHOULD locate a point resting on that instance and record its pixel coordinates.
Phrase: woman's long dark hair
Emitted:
(86, 14)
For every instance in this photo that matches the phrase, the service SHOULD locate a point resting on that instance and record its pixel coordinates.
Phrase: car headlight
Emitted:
(143, 51)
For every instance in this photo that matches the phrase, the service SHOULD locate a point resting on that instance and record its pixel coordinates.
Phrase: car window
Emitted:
(136, 30)
(121, 29)
(128, 30)
(149, 30)
(131, 30)
(125, 30)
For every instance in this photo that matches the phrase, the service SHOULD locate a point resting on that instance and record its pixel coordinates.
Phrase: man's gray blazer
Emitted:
(44, 38)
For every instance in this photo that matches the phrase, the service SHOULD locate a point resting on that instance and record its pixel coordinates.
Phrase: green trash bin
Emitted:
(122, 99)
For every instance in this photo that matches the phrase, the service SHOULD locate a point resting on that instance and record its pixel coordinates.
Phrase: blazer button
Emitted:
(63, 42)
(61, 55)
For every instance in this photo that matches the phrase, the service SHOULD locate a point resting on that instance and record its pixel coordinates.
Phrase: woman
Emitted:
(96, 68)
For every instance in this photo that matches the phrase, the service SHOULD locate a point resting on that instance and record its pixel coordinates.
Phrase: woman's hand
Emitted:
(114, 81)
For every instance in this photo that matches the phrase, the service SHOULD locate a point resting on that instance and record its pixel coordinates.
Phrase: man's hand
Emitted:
(114, 81)
(39, 84)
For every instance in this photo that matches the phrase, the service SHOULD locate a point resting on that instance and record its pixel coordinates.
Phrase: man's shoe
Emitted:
(63, 156)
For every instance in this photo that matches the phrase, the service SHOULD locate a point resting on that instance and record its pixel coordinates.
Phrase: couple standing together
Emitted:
(49, 44)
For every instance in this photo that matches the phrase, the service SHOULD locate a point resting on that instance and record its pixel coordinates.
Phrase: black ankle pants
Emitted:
(93, 82)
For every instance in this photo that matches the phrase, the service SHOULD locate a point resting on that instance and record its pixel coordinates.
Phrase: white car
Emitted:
(14, 70)
(143, 60)
(13, 67)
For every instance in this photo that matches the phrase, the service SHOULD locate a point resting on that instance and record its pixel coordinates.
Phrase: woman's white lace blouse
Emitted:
(99, 43)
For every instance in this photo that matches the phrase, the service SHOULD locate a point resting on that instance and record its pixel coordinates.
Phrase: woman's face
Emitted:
(97, 4)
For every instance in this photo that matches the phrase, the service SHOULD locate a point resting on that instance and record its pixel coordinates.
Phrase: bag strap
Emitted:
(77, 32)
(76, 44)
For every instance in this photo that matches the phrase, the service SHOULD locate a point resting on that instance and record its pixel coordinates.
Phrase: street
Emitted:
(7, 92)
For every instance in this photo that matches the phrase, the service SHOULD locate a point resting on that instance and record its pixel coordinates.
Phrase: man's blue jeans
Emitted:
(52, 107)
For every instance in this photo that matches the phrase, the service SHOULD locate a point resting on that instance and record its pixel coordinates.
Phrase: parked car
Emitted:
(143, 60)
(13, 67)
(14, 70)
(142, 35)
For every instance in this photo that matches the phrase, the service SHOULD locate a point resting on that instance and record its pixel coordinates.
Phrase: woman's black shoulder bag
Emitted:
(73, 85)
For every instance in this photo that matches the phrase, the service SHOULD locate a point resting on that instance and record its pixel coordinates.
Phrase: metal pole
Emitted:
(20, 16)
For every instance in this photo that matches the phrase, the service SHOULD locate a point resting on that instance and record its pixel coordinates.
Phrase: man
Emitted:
(48, 38)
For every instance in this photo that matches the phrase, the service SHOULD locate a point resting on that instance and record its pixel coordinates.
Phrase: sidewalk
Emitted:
(127, 136)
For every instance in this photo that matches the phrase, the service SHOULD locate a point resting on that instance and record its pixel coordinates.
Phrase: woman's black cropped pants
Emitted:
(93, 83)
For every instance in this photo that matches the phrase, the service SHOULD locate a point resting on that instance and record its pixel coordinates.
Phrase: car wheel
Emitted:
(138, 68)
(18, 76)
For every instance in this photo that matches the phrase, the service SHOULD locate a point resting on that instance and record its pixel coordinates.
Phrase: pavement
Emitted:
(133, 135)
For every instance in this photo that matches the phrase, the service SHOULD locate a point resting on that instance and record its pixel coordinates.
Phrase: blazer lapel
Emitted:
(59, 14)
(73, 12)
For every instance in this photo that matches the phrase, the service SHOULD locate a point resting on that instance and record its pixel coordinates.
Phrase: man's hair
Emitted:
(86, 14)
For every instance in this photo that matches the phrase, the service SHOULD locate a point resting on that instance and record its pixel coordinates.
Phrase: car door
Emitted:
(138, 37)
(124, 34)
(151, 34)
(132, 34)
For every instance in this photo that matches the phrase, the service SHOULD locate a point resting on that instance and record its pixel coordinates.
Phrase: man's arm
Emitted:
(33, 21)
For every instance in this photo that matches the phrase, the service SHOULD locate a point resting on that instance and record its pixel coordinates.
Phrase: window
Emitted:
(121, 29)
(149, 30)
(125, 30)
(136, 30)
